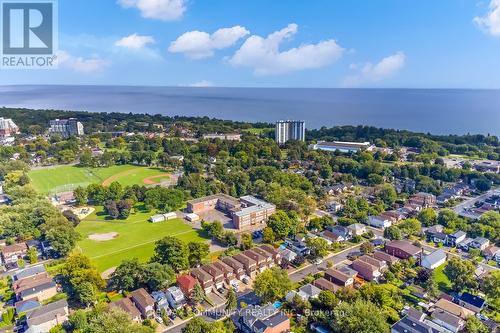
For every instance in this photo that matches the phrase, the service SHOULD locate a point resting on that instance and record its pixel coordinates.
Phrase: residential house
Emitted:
(44, 318)
(447, 320)
(402, 249)
(434, 259)
(25, 306)
(298, 247)
(30, 282)
(472, 302)
(423, 199)
(305, 293)
(269, 257)
(126, 305)
(12, 253)
(410, 324)
(226, 270)
(389, 259)
(435, 234)
(161, 301)
(331, 237)
(454, 239)
(249, 264)
(276, 255)
(395, 215)
(379, 222)
(366, 270)
(216, 273)
(480, 243)
(334, 206)
(288, 255)
(257, 319)
(465, 244)
(453, 308)
(357, 229)
(205, 280)
(324, 284)
(259, 259)
(238, 267)
(144, 302)
(175, 297)
(29, 272)
(418, 291)
(186, 283)
(380, 264)
(340, 278)
(491, 253)
(41, 292)
(342, 233)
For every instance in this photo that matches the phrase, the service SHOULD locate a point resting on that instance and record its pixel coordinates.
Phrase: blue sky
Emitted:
(277, 43)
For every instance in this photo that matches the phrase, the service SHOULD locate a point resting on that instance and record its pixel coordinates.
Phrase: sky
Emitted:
(277, 43)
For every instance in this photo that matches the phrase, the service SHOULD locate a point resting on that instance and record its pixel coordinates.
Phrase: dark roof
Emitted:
(37, 289)
(337, 275)
(472, 300)
(126, 305)
(28, 272)
(23, 306)
(47, 312)
(411, 325)
(404, 246)
(446, 317)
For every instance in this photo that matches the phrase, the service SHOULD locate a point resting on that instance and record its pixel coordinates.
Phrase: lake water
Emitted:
(437, 111)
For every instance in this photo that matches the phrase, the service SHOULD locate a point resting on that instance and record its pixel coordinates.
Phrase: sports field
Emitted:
(66, 178)
(133, 238)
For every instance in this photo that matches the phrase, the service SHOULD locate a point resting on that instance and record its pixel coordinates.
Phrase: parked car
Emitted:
(245, 279)
(354, 255)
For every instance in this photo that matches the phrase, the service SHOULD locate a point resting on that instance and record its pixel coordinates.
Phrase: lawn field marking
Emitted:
(117, 176)
(137, 245)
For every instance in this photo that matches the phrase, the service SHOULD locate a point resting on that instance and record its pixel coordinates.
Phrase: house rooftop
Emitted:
(411, 325)
(126, 305)
(435, 256)
(47, 312)
(446, 317)
(472, 300)
(404, 246)
(141, 296)
(28, 272)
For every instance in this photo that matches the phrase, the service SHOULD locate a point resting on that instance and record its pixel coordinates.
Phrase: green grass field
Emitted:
(442, 280)
(136, 237)
(66, 178)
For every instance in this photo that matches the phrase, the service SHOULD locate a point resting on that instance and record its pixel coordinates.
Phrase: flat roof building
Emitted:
(66, 127)
(287, 130)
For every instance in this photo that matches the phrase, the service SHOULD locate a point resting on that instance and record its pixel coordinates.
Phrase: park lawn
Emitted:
(136, 237)
(258, 131)
(67, 177)
(442, 280)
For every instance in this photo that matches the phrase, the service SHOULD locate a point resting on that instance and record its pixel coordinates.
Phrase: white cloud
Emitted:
(80, 64)
(134, 41)
(201, 84)
(165, 10)
(265, 57)
(369, 72)
(200, 44)
(490, 23)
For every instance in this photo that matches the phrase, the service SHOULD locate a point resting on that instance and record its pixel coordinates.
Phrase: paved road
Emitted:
(469, 203)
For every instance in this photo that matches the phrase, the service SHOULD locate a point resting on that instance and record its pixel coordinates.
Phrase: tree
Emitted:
(111, 209)
(81, 195)
(271, 285)
(231, 300)
(197, 252)
(63, 238)
(319, 247)
(410, 227)
(158, 276)
(268, 235)
(474, 325)
(366, 248)
(246, 241)
(491, 287)
(196, 325)
(128, 275)
(461, 274)
(197, 295)
(173, 252)
(78, 271)
(393, 233)
(427, 217)
(359, 317)
(387, 194)
(280, 223)
(33, 255)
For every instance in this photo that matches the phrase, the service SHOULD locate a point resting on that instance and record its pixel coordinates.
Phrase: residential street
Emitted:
(469, 203)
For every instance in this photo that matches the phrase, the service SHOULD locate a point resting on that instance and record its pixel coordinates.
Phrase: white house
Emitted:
(379, 222)
(434, 260)
(175, 297)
